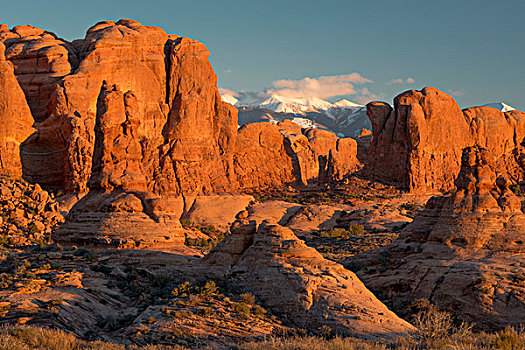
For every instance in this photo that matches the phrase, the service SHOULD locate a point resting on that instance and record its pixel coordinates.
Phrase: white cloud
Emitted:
(408, 80)
(224, 91)
(322, 87)
(227, 71)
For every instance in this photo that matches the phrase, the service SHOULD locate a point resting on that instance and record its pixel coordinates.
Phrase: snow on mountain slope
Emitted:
(500, 106)
(344, 118)
(282, 104)
(346, 104)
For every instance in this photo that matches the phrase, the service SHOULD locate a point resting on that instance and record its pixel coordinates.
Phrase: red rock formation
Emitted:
(463, 252)
(117, 155)
(418, 144)
(295, 280)
(260, 159)
(201, 129)
(184, 138)
(40, 60)
(15, 119)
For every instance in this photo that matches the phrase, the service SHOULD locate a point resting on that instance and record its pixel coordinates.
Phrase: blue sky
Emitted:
(472, 49)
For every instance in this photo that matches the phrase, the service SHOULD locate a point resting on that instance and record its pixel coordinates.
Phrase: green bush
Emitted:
(186, 223)
(209, 288)
(243, 309)
(342, 233)
(181, 289)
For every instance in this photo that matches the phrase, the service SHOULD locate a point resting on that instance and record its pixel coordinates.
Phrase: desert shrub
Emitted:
(409, 207)
(342, 233)
(209, 288)
(517, 189)
(509, 339)
(356, 229)
(313, 343)
(4, 240)
(248, 298)
(433, 325)
(243, 309)
(205, 312)
(210, 230)
(30, 338)
(324, 249)
(31, 229)
(327, 332)
(181, 289)
(258, 310)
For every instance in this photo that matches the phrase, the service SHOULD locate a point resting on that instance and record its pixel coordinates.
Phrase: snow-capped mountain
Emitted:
(500, 106)
(282, 104)
(344, 118)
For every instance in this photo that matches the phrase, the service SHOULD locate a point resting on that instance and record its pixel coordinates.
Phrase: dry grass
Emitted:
(313, 343)
(35, 338)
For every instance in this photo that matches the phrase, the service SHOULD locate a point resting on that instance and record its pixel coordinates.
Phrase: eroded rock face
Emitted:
(15, 119)
(463, 252)
(418, 144)
(180, 136)
(200, 131)
(117, 153)
(40, 60)
(122, 219)
(132, 112)
(295, 280)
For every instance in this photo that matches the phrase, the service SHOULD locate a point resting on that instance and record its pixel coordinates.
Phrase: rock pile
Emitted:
(29, 214)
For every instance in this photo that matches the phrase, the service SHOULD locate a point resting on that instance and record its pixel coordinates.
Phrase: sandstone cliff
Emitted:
(418, 143)
(15, 119)
(182, 137)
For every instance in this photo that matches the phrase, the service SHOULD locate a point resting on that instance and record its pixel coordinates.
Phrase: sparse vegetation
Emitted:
(34, 338)
(344, 233)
